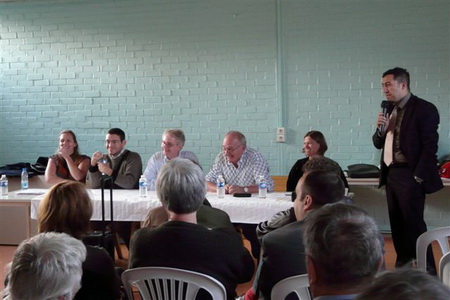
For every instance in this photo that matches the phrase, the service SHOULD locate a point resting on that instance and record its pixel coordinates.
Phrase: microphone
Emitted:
(385, 105)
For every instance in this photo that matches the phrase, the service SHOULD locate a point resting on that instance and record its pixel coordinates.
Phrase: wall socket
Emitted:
(281, 135)
(281, 130)
(280, 138)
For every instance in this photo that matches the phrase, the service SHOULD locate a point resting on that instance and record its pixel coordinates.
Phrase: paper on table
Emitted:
(31, 192)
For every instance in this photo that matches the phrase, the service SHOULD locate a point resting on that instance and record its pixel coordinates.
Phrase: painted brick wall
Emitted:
(209, 66)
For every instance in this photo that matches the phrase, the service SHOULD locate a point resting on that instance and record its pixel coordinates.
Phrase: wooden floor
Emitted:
(6, 253)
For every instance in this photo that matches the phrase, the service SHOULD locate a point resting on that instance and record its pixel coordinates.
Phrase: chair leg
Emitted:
(117, 246)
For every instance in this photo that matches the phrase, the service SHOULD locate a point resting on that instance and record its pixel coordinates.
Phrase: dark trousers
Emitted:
(249, 232)
(406, 202)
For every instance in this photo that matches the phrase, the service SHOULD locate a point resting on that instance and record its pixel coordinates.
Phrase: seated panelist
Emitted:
(314, 145)
(172, 144)
(67, 163)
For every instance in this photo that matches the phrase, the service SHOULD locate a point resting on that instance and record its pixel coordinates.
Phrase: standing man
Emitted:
(408, 162)
(122, 165)
(241, 168)
(172, 146)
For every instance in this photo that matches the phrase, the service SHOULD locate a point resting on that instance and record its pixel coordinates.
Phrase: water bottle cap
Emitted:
(24, 169)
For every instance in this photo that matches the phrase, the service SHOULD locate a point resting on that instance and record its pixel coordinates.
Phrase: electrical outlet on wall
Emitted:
(281, 130)
(280, 138)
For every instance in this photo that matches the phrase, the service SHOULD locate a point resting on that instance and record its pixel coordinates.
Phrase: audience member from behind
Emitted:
(181, 242)
(67, 163)
(172, 144)
(283, 253)
(343, 251)
(285, 217)
(314, 146)
(67, 208)
(46, 266)
(405, 284)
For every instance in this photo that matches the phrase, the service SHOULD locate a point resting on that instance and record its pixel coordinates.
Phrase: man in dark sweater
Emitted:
(181, 242)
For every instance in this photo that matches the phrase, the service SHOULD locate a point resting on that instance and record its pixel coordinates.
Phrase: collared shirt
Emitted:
(250, 166)
(398, 155)
(158, 160)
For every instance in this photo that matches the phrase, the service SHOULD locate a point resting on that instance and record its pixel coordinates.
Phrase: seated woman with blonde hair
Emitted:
(67, 208)
(67, 162)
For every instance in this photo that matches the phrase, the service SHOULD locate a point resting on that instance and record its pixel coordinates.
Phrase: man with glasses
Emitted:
(122, 165)
(239, 165)
(172, 146)
(241, 168)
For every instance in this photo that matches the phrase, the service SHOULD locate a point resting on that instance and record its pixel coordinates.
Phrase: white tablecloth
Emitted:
(128, 206)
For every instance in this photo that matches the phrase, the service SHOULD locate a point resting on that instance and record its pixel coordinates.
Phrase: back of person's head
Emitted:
(323, 187)
(47, 266)
(321, 163)
(180, 186)
(119, 132)
(343, 246)
(405, 284)
(320, 139)
(399, 74)
(177, 134)
(66, 208)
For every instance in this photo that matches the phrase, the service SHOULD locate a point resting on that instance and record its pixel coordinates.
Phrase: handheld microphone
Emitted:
(384, 109)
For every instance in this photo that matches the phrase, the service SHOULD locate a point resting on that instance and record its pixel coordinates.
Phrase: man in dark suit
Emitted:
(408, 161)
(283, 253)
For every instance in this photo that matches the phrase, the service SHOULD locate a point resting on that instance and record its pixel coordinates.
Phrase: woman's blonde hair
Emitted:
(66, 208)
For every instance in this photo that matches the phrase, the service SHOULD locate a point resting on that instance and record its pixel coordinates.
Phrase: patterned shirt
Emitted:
(250, 166)
(158, 160)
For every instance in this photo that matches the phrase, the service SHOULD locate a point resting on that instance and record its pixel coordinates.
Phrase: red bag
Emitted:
(445, 170)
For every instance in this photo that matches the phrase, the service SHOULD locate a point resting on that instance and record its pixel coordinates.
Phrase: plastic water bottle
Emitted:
(220, 186)
(143, 186)
(262, 190)
(24, 179)
(4, 185)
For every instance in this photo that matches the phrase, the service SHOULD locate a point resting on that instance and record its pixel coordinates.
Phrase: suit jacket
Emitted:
(418, 143)
(282, 256)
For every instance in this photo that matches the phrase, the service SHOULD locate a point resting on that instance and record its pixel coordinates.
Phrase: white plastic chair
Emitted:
(444, 269)
(298, 284)
(160, 283)
(440, 235)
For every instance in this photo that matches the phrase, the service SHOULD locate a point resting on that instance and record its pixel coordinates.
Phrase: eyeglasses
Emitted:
(229, 149)
(169, 145)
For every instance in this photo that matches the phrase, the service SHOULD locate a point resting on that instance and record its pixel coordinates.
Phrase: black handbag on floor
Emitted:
(105, 237)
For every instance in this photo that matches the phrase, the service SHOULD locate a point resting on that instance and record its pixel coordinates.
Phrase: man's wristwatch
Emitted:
(245, 189)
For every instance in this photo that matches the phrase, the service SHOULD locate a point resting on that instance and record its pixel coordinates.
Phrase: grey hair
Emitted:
(178, 134)
(180, 186)
(47, 266)
(343, 243)
(405, 284)
(239, 136)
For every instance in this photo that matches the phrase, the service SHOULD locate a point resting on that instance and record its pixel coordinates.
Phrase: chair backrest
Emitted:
(158, 283)
(298, 284)
(444, 269)
(440, 235)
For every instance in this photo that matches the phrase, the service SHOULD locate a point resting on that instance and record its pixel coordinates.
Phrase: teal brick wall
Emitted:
(209, 66)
